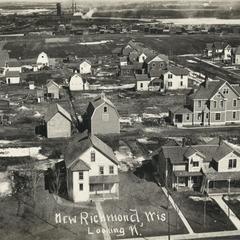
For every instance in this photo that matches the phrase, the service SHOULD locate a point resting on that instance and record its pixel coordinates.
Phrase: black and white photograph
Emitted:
(120, 119)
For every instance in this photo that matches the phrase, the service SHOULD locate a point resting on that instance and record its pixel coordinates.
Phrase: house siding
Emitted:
(110, 125)
(223, 163)
(58, 127)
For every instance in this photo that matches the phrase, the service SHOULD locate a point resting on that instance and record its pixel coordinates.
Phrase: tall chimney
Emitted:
(206, 82)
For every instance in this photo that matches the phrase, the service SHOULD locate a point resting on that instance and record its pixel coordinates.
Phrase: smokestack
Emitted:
(220, 140)
(206, 82)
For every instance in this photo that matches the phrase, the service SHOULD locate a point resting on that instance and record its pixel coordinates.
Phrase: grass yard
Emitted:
(234, 203)
(144, 197)
(193, 210)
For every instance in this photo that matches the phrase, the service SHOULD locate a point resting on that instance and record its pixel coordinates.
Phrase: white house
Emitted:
(12, 77)
(92, 169)
(142, 82)
(85, 67)
(227, 53)
(175, 78)
(237, 56)
(13, 66)
(77, 83)
(42, 60)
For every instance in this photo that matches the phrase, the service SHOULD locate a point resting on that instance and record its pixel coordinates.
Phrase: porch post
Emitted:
(208, 186)
(177, 184)
(229, 186)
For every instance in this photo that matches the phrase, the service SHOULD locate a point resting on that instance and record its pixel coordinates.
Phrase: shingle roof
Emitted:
(12, 74)
(180, 109)
(54, 109)
(13, 63)
(85, 60)
(209, 152)
(162, 57)
(50, 83)
(80, 165)
(142, 77)
(83, 142)
(178, 70)
(100, 100)
(209, 91)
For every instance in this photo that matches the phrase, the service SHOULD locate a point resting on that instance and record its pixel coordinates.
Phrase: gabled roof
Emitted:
(50, 83)
(98, 101)
(178, 71)
(80, 165)
(12, 74)
(142, 77)
(85, 60)
(13, 63)
(180, 110)
(82, 143)
(209, 91)
(209, 152)
(53, 110)
(157, 57)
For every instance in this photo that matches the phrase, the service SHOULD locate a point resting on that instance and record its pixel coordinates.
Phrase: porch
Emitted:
(221, 183)
(184, 180)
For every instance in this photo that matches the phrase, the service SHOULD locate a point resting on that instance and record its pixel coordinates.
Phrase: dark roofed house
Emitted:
(13, 65)
(58, 122)
(209, 168)
(92, 169)
(102, 116)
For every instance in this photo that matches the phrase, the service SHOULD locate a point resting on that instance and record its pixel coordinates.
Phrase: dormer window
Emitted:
(105, 109)
(195, 164)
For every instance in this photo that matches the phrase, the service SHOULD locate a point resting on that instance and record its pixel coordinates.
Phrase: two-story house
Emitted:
(102, 117)
(213, 103)
(155, 63)
(212, 167)
(92, 169)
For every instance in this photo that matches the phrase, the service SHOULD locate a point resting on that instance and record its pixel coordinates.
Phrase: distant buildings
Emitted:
(53, 89)
(85, 67)
(42, 60)
(92, 169)
(102, 117)
(213, 103)
(77, 83)
(12, 77)
(58, 122)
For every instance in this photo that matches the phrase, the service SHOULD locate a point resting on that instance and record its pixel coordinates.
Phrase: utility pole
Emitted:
(168, 205)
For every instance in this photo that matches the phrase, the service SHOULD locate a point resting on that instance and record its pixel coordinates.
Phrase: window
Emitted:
(101, 170)
(199, 103)
(93, 156)
(181, 76)
(106, 186)
(187, 117)
(105, 109)
(170, 84)
(169, 75)
(234, 102)
(234, 115)
(81, 187)
(141, 85)
(206, 115)
(199, 116)
(225, 91)
(217, 116)
(195, 164)
(221, 103)
(153, 65)
(111, 170)
(81, 175)
(232, 163)
(214, 104)
(181, 83)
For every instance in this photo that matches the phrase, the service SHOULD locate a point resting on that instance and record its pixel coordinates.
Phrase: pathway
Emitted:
(179, 212)
(104, 225)
(231, 215)
(191, 236)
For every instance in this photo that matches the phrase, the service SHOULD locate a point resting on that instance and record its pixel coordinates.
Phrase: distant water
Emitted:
(182, 21)
(23, 11)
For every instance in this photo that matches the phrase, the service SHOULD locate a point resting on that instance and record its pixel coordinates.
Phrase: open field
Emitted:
(26, 47)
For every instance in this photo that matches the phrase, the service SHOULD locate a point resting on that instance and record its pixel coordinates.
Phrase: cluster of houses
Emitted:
(151, 71)
(222, 51)
(90, 164)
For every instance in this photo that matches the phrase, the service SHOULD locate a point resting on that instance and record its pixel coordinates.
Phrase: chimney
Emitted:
(183, 142)
(206, 82)
(103, 96)
(220, 140)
